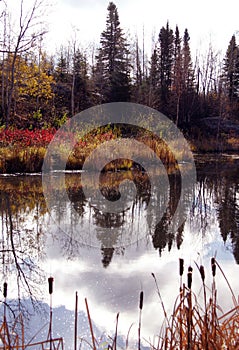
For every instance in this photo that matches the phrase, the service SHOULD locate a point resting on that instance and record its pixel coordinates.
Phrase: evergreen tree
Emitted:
(166, 54)
(62, 69)
(140, 86)
(112, 69)
(187, 80)
(62, 88)
(177, 75)
(231, 69)
(154, 81)
(188, 76)
(81, 80)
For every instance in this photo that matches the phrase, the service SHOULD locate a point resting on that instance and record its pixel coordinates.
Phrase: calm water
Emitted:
(111, 270)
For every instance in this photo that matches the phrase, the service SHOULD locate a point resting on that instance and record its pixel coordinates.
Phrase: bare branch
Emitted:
(22, 38)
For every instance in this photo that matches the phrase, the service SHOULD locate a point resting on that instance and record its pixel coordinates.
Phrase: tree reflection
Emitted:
(21, 243)
(26, 223)
(219, 185)
(163, 235)
(228, 213)
(107, 256)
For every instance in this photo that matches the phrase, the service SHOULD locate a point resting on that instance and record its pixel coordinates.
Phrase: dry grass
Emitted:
(21, 159)
(191, 326)
(224, 143)
(200, 327)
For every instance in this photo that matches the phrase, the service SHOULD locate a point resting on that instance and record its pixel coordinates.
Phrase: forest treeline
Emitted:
(38, 90)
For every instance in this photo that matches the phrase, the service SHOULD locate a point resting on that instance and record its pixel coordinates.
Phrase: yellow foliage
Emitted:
(31, 79)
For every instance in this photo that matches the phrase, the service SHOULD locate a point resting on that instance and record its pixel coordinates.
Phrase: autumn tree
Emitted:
(33, 88)
(112, 67)
(27, 32)
(34, 83)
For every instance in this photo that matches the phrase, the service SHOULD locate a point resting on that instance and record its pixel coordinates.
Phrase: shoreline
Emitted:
(29, 160)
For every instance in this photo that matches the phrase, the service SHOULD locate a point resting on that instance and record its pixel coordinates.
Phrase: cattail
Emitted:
(50, 283)
(190, 272)
(141, 300)
(202, 273)
(5, 289)
(213, 265)
(181, 267)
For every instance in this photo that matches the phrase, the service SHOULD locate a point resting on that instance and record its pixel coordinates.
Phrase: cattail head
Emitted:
(190, 272)
(202, 273)
(141, 300)
(5, 289)
(50, 283)
(213, 265)
(181, 266)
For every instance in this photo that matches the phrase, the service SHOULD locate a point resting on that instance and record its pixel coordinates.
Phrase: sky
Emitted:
(207, 21)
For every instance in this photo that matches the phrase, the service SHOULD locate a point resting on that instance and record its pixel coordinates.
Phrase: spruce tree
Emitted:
(177, 76)
(188, 76)
(112, 69)
(154, 82)
(187, 80)
(81, 89)
(166, 54)
(231, 69)
(62, 88)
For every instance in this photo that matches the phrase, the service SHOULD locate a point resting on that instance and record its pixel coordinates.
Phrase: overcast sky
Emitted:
(207, 20)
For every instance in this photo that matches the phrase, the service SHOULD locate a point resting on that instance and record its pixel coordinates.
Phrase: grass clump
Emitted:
(191, 326)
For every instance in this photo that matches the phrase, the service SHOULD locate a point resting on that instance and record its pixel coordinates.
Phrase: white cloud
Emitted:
(205, 20)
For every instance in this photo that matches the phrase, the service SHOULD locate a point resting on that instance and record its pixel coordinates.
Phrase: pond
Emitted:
(111, 269)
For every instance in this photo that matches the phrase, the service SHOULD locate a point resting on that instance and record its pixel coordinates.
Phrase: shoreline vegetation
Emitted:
(39, 91)
(23, 151)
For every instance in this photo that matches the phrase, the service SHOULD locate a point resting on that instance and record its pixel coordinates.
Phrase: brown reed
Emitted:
(194, 327)
(191, 326)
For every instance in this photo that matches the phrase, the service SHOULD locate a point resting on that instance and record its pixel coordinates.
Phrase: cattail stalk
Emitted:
(90, 324)
(202, 273)
(214, 298)
(189, 316)
(50, 286)
(181, 269)
(190, 272)
(229, 286)
(213, 265)
(141, 302)
(116, 332)
(161, 300)
(76, 321)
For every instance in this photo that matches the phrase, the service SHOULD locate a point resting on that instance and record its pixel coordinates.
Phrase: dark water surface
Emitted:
(111, 270)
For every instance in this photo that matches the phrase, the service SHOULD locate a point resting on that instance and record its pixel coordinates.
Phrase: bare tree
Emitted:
(23, 36)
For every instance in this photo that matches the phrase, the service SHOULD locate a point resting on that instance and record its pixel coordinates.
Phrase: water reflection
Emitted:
(111, 271)
(216, 193)
(22, 239)
(218, 182)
